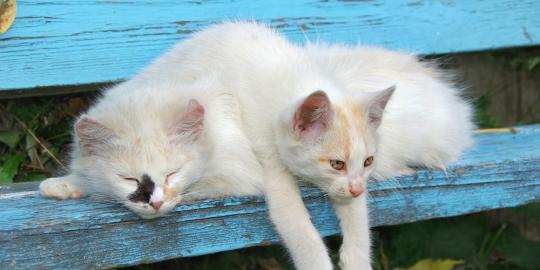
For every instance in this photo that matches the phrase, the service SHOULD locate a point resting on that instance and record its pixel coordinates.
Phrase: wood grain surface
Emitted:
(56, 43)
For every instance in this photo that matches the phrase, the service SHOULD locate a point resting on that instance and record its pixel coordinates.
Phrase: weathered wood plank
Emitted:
(78, 42)
(501, 171)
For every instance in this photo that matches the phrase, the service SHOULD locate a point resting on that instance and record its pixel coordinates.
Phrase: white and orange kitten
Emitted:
(273, 111)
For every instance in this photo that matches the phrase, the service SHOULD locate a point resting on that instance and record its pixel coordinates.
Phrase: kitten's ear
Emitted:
(313, 115)
(92, 135)
(190, 124)
(376, 105)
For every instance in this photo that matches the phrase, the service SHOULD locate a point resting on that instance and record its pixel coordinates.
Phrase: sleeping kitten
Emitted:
(309, 113)
(143, 143)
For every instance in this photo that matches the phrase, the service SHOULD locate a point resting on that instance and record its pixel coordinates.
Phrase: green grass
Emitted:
(35, 134)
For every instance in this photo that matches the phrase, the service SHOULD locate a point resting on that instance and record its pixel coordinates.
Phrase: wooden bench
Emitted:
(57, 45)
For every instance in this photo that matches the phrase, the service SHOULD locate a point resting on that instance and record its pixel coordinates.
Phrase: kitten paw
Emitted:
(59, 188)
(351, 261)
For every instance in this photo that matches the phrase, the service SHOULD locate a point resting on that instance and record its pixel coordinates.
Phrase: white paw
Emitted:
(59, 188)
(352, 261)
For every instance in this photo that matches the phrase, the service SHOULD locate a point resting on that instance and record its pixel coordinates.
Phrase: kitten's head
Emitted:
(333, 144)
(146, 170)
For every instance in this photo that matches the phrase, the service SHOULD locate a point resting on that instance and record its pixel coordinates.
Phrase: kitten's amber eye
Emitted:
(368, 161)
(337, 164)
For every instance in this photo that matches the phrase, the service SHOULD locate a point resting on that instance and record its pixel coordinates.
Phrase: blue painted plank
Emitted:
(78, 42)
(501, 171)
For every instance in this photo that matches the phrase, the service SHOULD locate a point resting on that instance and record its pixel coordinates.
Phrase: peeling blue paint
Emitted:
(66, 43)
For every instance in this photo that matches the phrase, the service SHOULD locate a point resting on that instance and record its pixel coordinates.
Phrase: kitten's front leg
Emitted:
(292, 220)
(61, 187)
(354, 221)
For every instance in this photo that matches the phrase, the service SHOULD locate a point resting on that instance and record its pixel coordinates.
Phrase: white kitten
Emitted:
(297, 111)
(143, 143)
(427, 123)
(315, 113)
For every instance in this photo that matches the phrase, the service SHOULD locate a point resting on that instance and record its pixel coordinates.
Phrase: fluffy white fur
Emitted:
(427, 122)
(138, 127)
(265, 120)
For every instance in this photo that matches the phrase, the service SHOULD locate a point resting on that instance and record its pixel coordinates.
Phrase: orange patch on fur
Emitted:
(348, 117)
(359, 118)
(357, 115)
(169, 194)
(340, 137)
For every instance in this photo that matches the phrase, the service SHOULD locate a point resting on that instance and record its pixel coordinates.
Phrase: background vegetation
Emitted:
(34, 141)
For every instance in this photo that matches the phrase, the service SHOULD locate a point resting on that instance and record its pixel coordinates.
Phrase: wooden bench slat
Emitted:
(79, 42)
(501, 171)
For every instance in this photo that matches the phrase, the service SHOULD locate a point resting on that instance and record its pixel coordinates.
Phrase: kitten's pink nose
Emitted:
(356, 188)
(156, 205)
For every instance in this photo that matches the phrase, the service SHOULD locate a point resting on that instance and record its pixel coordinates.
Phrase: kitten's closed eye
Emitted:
(129, 178)
(169, 175)
(368, 161)
(172, 173)
(338, 165)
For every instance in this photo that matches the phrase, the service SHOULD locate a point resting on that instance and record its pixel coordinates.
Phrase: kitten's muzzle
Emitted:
(156, 205)
(356, 186)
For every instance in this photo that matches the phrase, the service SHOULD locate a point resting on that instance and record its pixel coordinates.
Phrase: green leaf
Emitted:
(482, 117)
(4, 179)
(533, 62)
(30, 149)
(453, 238)
(10, 137)
(27, 112)
(520, 251)
(428, 264)
(34, 177)
(10, 168)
